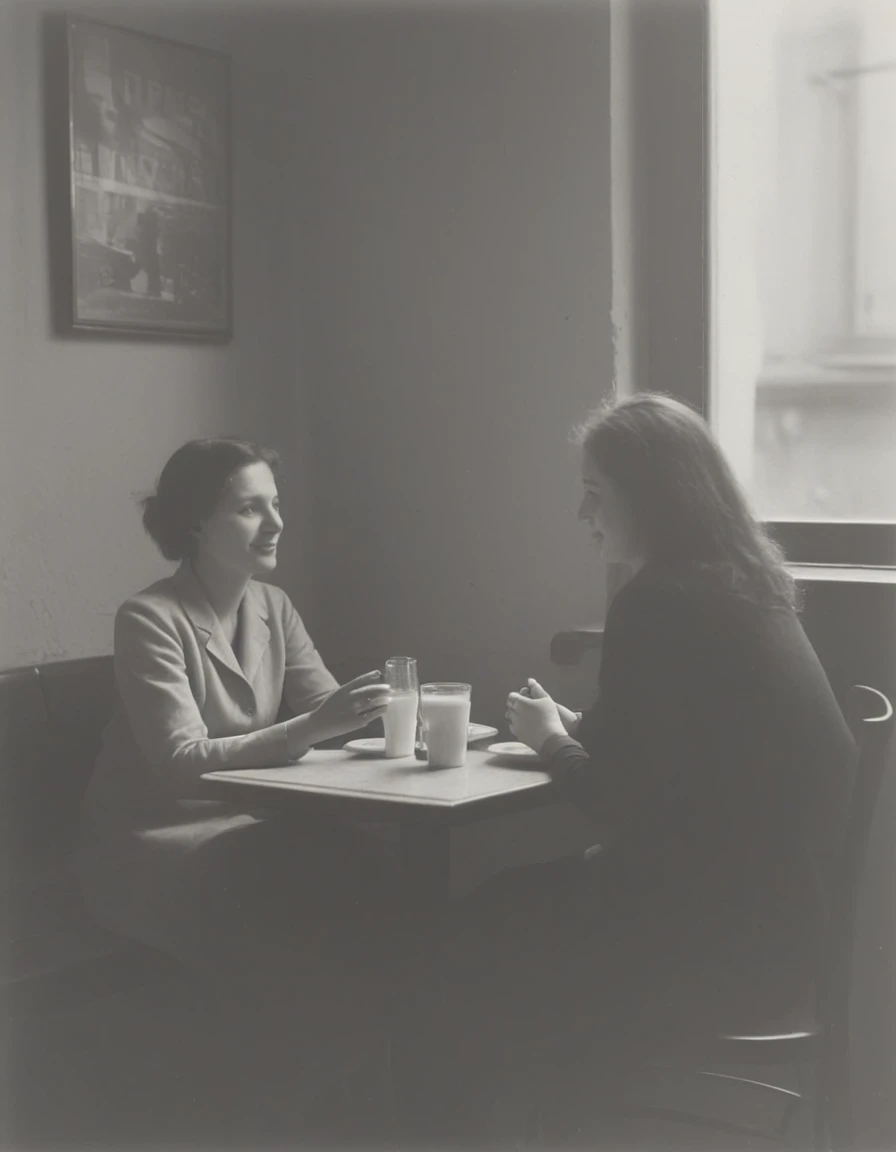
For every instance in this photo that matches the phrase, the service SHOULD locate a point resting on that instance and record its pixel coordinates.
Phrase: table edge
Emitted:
(235, 779)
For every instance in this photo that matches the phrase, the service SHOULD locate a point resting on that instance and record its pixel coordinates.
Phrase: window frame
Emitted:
(874, 61)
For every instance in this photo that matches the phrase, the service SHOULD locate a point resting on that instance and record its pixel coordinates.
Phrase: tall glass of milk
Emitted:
(445, 709)
(400, 720)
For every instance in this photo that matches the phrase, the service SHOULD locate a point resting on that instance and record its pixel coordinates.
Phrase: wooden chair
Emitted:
(818, 1038)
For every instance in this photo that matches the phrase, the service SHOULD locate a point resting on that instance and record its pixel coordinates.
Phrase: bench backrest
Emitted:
(51, 725)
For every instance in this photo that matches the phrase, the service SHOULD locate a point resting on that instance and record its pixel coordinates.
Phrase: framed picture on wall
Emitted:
(149, 158)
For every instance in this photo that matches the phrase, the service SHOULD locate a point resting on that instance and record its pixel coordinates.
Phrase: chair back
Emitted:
(81, 698)
(871, 719)
(51, 725)
(29, 759)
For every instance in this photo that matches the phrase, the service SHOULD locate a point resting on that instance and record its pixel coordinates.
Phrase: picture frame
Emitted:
(149, 157)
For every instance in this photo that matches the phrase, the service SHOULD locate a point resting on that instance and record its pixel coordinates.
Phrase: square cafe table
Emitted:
(425, 802)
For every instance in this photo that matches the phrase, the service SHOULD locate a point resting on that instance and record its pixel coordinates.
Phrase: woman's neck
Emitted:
(223, 587)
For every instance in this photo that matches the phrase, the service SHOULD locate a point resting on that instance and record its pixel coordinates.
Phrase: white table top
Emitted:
(407, 783)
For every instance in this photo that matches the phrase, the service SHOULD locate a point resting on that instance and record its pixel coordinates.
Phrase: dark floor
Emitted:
(140, 1070)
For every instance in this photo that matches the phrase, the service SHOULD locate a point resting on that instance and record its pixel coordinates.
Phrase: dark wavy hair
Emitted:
(685, 502)
(190, 488)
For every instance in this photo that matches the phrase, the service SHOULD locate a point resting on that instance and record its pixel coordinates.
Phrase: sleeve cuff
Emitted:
(555, 743)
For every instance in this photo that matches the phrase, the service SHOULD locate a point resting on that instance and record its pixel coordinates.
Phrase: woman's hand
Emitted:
(354, 705)
(533, 719)
(571, 720)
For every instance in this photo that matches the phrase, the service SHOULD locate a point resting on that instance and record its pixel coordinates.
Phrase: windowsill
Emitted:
(842, 574)
(839, 545)
(568, 647)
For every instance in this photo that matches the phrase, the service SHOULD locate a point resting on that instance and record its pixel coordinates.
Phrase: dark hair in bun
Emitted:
(190, 487)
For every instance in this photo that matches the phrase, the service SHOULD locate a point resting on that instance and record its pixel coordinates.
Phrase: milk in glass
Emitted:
(400, 724)
(446, 718)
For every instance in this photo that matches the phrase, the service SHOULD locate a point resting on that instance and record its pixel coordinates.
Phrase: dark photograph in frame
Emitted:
(149, 156)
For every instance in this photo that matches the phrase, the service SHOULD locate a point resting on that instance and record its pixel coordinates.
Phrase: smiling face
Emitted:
(605, 511)
(242, 532)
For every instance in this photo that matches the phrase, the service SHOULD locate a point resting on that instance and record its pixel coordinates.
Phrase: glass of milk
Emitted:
(400, 720)
(445, 709)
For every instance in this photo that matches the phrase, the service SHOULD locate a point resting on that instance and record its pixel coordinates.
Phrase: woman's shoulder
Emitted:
(686, 594)
(665, 585)
(158, 598)
(173, 596)
(150, 620)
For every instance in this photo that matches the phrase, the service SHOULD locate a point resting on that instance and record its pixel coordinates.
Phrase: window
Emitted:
(803, 266)
(872, 90)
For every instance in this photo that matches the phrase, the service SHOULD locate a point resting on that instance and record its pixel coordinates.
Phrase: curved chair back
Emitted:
(871, 719)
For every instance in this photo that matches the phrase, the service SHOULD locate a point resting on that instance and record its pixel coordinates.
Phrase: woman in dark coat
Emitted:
(719, 756)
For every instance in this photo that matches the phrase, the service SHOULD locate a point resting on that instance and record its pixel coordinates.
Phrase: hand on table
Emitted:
(533, 716)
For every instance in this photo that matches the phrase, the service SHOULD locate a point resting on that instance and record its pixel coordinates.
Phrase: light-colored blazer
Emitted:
(189, 703)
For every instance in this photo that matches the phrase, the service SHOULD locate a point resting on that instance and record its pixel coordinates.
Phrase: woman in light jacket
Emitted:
(207, 661)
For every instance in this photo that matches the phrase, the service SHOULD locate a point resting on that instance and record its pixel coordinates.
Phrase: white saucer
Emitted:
(369, 746)
(376, 745)
(476, 732)
(512, 750)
